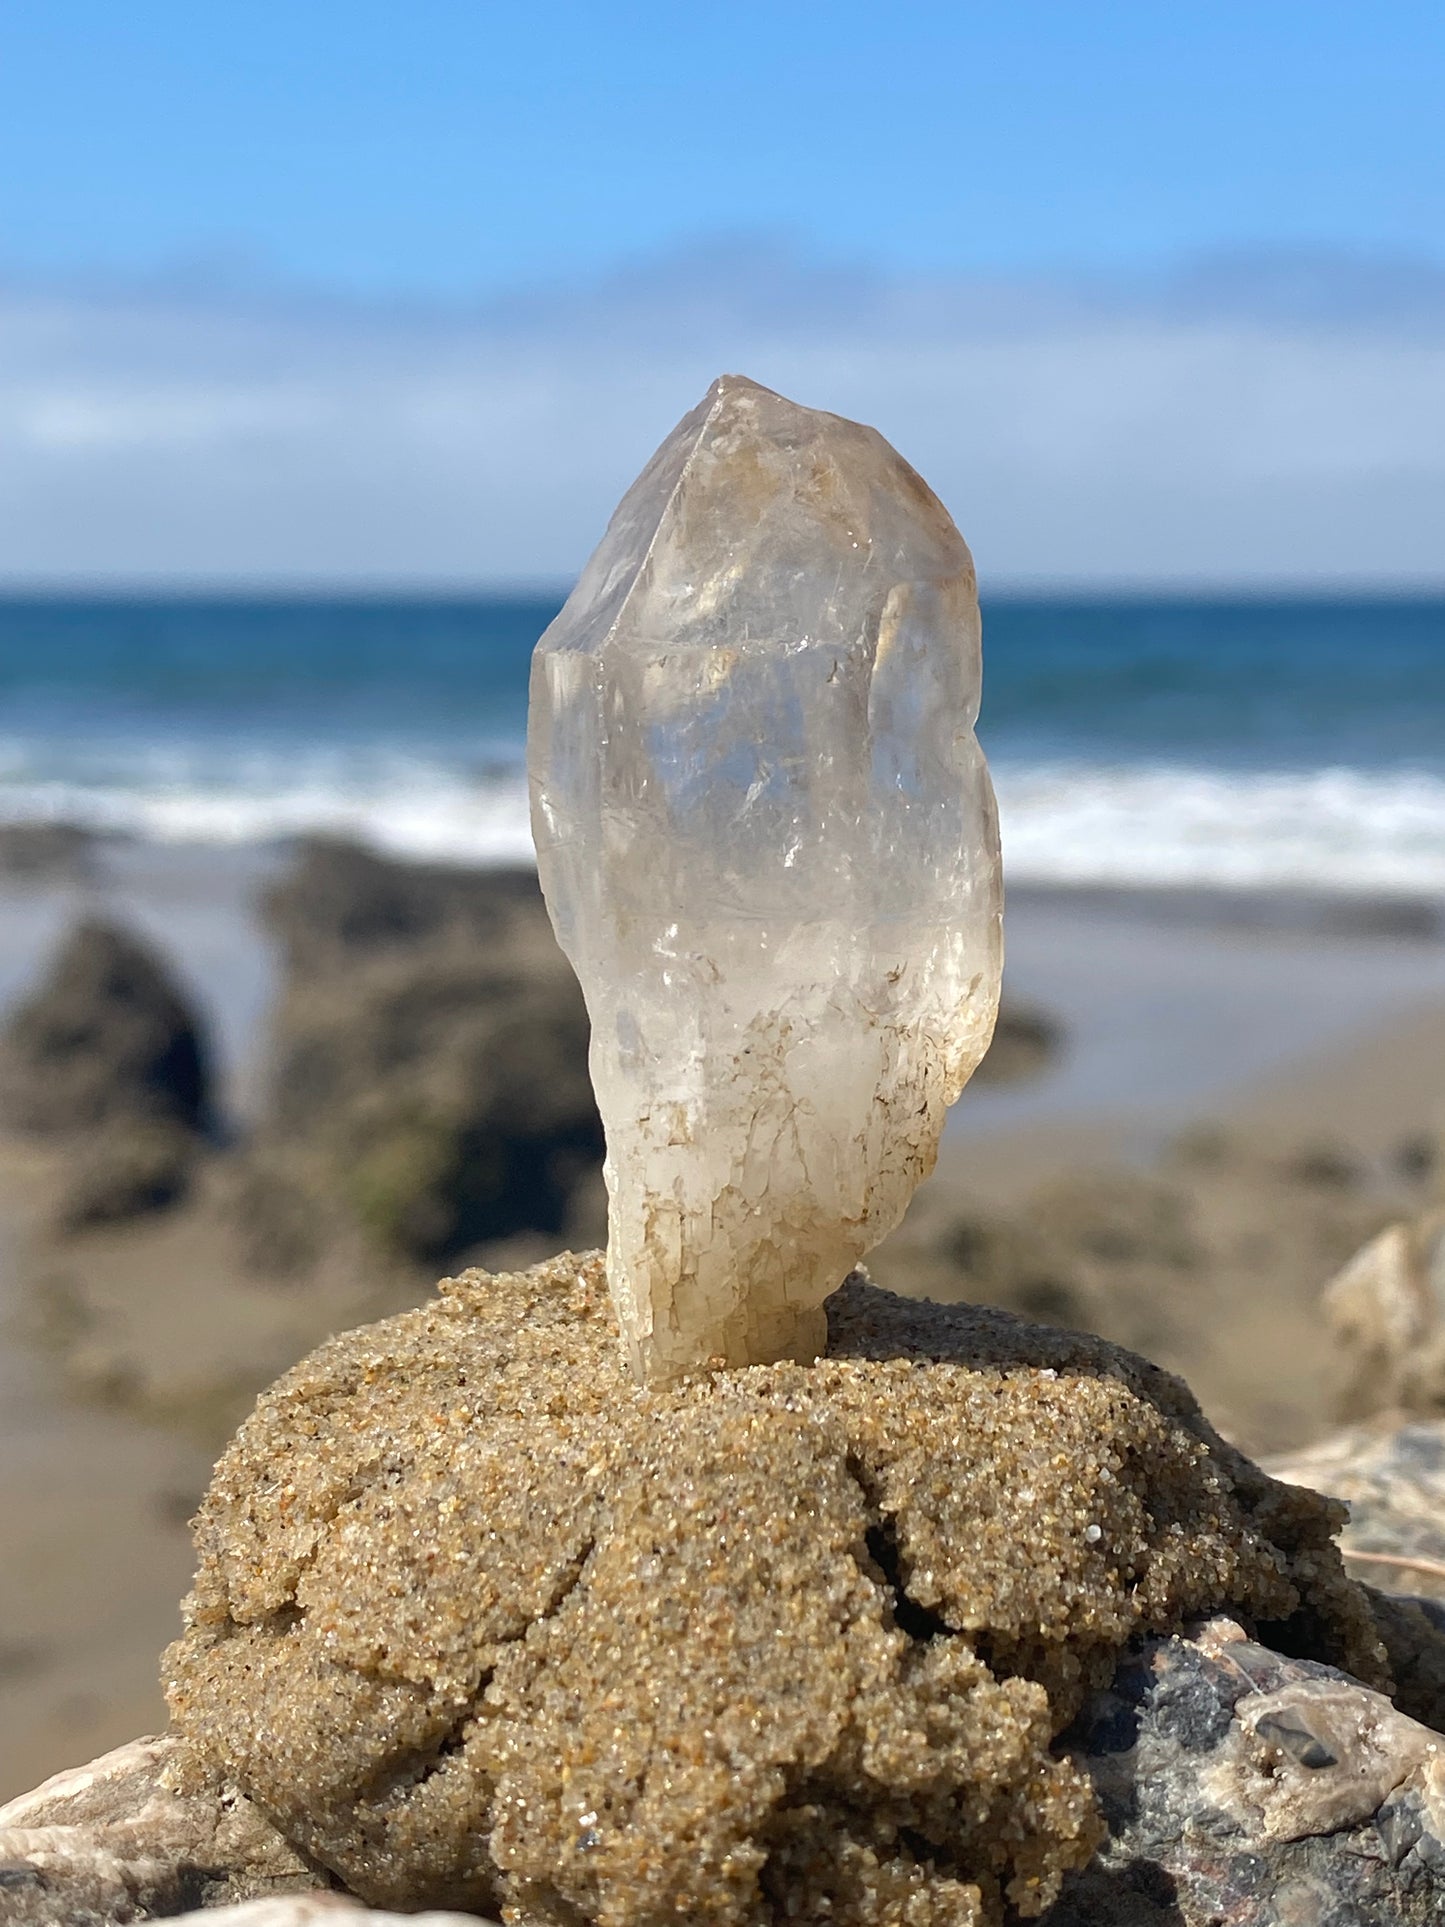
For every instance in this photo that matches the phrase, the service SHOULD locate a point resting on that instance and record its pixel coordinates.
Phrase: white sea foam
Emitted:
(408, 807)
(1340, 830)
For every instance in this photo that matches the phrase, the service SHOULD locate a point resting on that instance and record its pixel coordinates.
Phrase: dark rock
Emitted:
(107, 1036)
(1244, 1787)
(340, 905)
(442, 1100)
(1417, 1157)
(429, 1065)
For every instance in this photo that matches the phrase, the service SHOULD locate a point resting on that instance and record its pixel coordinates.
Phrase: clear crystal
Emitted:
(768, 842)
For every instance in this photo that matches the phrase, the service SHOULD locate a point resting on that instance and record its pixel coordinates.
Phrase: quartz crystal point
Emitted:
(768, 843)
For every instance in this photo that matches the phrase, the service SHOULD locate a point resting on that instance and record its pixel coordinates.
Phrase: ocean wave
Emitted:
(1338, 830)
(405, 807)
(1334, 830)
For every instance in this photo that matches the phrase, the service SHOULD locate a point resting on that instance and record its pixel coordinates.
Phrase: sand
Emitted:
(1280, 1034)
(480, 1623)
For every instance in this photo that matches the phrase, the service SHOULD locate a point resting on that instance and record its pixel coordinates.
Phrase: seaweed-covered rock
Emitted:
(1246, 1787)
(107, 1038)
(429, 1077)
(429, 1064)
(480, 1623)
(106, 1063)
(440, 1101)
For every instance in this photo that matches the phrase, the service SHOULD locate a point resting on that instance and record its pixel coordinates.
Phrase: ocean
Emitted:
(1207, 742)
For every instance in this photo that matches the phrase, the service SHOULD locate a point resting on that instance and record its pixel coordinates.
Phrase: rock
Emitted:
(106, 1063)
(107, 1038)
(340, 905)
(1386, 1309)
(113, 1842)
(1392, 1477)
(46, 852)
(429, 1076)
(439, 1100)
(1243, 1786)
(479, 1623)
(767, 838)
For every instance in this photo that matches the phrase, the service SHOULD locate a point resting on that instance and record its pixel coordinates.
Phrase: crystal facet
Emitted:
(768, 842)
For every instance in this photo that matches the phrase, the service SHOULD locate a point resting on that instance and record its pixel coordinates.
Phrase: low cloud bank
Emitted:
(1246, 419)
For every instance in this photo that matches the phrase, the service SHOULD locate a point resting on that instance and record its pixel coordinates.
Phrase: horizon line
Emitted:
(234, 588)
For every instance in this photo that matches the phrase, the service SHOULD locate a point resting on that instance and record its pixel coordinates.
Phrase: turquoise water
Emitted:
(1185, 740)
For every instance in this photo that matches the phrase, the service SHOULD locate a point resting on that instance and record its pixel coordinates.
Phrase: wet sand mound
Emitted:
(479, 1623)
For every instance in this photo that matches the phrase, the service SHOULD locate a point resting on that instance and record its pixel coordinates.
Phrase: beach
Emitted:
(1207, 1049)
(1223, 825)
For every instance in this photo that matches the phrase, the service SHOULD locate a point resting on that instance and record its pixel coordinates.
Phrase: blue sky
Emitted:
(1150, 291)
(449, 146)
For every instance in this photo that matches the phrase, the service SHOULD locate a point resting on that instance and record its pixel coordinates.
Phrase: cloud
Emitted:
(1247, 418)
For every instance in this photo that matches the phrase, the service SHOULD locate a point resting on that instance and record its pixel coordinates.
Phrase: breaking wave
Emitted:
(1064, 823)
(1342, 830)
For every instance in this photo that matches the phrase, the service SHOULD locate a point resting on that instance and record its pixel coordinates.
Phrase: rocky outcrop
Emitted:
(429, 1065)
(108, 1037)
(107, 1064)
(340, 905)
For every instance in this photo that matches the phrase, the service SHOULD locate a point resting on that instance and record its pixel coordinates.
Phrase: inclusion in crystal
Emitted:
(768, 842)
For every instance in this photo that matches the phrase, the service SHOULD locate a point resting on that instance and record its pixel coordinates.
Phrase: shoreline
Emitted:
(1169, 997)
